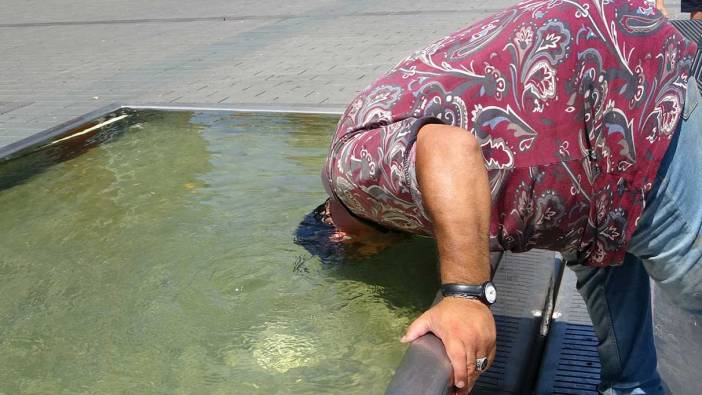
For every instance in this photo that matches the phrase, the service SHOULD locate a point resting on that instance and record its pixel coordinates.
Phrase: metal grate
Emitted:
(508, 334)
(578, 366)
(570, 363)
(525, 280)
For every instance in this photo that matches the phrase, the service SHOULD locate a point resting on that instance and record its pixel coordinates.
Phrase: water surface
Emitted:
(162, 261)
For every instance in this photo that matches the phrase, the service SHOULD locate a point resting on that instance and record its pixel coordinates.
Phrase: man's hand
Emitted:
(467, 329)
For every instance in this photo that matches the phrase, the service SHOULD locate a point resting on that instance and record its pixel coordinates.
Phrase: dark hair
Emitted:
(314, 235)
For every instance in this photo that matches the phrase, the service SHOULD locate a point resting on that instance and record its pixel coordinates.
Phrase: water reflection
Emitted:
(279, 348)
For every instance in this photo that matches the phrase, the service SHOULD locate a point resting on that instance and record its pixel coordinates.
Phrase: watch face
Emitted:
(490, 293)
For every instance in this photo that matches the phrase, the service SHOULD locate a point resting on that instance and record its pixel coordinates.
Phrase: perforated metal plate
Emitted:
(525, 281)
(570, 363)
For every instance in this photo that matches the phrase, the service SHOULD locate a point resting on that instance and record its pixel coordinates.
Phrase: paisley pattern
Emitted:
(573, 103)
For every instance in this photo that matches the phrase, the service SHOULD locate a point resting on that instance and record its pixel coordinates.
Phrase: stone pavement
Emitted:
(62, 58)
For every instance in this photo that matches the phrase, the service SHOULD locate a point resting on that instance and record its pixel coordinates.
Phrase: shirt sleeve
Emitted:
(372, 172)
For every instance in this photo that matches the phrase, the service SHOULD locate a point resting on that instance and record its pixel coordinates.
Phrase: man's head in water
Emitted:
(332, 233)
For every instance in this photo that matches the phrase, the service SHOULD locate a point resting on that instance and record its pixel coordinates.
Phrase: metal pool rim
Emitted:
(39, 139)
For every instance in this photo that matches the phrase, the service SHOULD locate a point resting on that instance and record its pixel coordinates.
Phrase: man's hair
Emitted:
(314, 235)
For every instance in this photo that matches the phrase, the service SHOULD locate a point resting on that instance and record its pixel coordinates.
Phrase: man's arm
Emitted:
(455, 190)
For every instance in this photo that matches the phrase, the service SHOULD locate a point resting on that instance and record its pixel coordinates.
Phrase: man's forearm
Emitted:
(455, 190)
(456, 194)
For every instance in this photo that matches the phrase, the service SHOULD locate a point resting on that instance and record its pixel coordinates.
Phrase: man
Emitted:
(551, 124)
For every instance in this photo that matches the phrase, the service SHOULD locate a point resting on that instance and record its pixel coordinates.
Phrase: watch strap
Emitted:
(465, 290)
(470, 291)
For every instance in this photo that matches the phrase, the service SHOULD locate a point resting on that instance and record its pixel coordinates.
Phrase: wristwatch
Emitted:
(486, 292)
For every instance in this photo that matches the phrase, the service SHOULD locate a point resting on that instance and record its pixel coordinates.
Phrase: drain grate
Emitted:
(578, 365)
(518, 321)
(570, 364)
(514, 336)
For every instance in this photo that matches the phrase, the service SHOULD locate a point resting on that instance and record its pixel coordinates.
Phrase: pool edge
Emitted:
(35, 140)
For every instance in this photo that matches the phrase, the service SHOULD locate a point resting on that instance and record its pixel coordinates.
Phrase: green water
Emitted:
(162, 261)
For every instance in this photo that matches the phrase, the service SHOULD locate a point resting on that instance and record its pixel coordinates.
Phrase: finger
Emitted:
(457, 355)
(471, 372)
(487, 348)
(473, 378)
(471, 375)
(488, 353)
(419, 327)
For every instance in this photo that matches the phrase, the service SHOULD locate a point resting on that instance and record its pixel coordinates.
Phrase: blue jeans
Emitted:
(667, 246)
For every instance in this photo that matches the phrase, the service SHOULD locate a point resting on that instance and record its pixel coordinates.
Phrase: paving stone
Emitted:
(60, 55)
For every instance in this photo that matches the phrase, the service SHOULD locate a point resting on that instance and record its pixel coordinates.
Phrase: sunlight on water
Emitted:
(162, 261)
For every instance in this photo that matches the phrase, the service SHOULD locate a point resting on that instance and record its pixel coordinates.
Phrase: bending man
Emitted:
(559, 125)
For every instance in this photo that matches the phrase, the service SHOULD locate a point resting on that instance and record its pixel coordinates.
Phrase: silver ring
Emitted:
(481, 364)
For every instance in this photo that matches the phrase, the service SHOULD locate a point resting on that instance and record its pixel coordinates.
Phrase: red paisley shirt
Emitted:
(573, 102)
